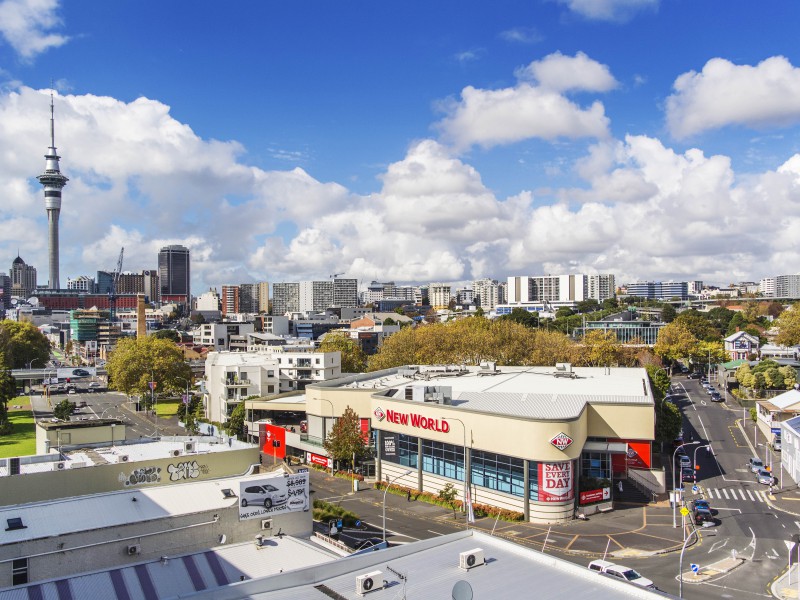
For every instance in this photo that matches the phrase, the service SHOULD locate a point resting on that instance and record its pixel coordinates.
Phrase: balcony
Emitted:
(235, 382)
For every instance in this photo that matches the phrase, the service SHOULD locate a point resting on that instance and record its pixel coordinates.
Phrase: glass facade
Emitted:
(596, 464)
(400, 449)
(498, 472)
(443, 459)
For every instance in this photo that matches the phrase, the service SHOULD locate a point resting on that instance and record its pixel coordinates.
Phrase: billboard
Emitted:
(273, 495)
(75, 372)
(555, 482)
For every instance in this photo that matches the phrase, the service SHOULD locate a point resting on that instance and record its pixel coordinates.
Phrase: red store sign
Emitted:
(413, 420)
(594, 496)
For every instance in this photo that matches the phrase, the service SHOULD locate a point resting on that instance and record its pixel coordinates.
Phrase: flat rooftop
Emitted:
(531, 392)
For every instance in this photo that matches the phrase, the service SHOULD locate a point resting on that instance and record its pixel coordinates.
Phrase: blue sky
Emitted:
(413, 141)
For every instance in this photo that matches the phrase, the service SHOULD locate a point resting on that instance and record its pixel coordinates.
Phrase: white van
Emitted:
(620, 572)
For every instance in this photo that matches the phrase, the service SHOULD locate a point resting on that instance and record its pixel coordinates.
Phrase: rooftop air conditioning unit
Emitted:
(368, 582)
(59, 466)
(134, 549)
(124, 458)
(77, 464)
(175, 452)
(266, 523)
(188, 447)
(470, 558)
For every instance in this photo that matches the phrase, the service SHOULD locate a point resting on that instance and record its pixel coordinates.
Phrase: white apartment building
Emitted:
(218, 335)
(787, 286)
(766, 287)
(82, 283)
(487, 293)
(439, 295)
(207, 301)
(234, 376)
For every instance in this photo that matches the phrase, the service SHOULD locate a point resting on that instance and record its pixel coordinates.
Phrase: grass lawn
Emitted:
(167, 408)
(22, 441)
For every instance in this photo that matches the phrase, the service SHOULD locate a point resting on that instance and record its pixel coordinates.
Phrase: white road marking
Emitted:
(751, 496)
(741, 491)
(724, 491)
(434, 532)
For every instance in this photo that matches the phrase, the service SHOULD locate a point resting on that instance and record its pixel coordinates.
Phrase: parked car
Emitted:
(755, 465)
(685, 462)
(620, 572)
(711, 390)
(776, 444)
(694, 376)
(765, 477)
(687, 475)
(266, 495)
(716, 397)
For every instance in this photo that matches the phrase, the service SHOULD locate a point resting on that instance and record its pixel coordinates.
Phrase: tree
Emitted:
(22, 343)
(564, 312)
(8, 389)
(698, 325)
(788, 325)
(479, 312)
(345, 441)
(137, 361)
(63, 410)
(448, 495)
(198, 318)
(523, 317)
(659, 381)
(600, 349)
(168, 334)
(668, 313)
(235, 424)
(675, 341)
(389, 321)
(668, 422)
(353, 358)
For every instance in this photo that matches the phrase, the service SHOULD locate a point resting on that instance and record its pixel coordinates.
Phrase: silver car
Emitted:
(755, 465)
(265, 495)
(764, 476)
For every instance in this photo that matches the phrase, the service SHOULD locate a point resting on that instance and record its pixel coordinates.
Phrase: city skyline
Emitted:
(414, 144)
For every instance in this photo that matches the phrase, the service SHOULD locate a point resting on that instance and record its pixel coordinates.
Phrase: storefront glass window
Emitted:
(400, 449)
(498, 472)
(596, 464)
(533, 476)
(443, 459)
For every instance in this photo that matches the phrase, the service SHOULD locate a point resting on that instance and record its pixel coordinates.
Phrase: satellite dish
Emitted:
(462, 591)
(33, 301)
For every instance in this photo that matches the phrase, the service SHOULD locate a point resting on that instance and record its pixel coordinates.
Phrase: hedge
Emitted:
(325, 511)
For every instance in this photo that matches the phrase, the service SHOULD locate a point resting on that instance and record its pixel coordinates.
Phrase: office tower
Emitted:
(249, 298)
(53, 181)
(230, 300)
(82, 283)
(23, 279)
(285, 298)
(174, 274)
(103, 282)
(5, 292)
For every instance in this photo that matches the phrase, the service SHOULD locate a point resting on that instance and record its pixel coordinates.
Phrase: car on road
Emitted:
(266, 495)
(620, 572)
(716, 397)
(694, 375)
(96, 386)
(685, 461)
(711, 390)
(687, 475)
(765, 477)
(776, 445)
(700, 503)
(702, 516)
(755, 465)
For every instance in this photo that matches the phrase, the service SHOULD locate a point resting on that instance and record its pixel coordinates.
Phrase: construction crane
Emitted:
(335, 275)
(112, 292)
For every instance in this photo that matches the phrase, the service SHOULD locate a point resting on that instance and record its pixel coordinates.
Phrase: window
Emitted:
(405, 449)
(596, 465)
(498, 472)
(317, 361)
(270, 389)
(19, 571)
(270, 373)
(443, 459)
(15, 523)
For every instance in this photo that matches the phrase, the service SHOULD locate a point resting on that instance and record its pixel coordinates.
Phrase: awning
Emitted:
(614, 447)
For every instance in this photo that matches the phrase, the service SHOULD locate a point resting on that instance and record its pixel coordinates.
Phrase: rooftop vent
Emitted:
(15, 523)
(565, 370)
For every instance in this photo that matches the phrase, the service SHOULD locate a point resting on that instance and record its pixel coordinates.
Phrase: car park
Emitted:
(764, 477)
(687, 475)
(755, 465)
(621, 572)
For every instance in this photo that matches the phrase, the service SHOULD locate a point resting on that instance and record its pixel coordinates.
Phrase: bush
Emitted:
(325, 511)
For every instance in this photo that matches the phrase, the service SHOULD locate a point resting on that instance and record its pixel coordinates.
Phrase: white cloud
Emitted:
(609, 10)
(522, 35)
(26, 26)
(562, 73)
(723, 93)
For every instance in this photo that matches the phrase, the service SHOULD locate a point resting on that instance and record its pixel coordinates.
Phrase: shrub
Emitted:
(325, 511)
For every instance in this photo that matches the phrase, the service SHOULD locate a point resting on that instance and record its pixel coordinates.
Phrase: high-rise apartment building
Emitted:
(263, 297)
(766, 287)
(787, 286)
(174, 274)
(53, 182)
(487, 293)
(230, 300)
(601, 287)
(250, 298)
(285, 298)
(23, 279)
(5, 292)
(345, 293)
(82, 283)
(439, 295)
(555, 291)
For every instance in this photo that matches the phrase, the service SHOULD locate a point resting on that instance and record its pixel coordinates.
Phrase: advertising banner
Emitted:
(389, 446)
(318, 459)
(273, 495)
(274, 441)
(598, 495)
(555, 482)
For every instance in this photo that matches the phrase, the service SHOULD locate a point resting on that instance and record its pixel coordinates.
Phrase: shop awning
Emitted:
(614, 447)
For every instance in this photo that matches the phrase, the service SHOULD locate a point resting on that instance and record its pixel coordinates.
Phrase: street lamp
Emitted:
(693, 532)
(388, 485)
(674, 496)
(331, 459)
(464, 429)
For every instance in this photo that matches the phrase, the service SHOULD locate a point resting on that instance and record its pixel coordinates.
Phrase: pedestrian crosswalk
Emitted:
(734, 493)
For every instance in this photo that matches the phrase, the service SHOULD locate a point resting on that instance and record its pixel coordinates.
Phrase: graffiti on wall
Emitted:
(177, 472)
(184, 470)
(141, 476)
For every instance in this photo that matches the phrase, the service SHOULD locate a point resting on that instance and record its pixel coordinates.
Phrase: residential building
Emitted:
(487, 293)
(230, 300)
(775, 352)
(439, 295)
(263, 297)
(465, 296)
(790, 446)
(231, 377)
(740, 345)
(772, 413)
(551, 292)
(217, 336)
(317, 296)
(767, 287)
(174, 271)
(82, 283)
(249, 299)
(345, 293)
(285, 298)
(695, 287)
(5, 292)
(23, 279)
(601, 287)
(787, 286)
(208, 302)
(421, 295)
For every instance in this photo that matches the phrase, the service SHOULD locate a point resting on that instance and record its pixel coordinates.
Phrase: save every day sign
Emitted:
(556, 482)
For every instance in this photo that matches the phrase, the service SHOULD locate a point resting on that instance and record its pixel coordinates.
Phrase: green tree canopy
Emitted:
(668, 422)
(234, 426)
(698, 325)
(345, 439)
(63, 410)
(137, 361)
(522, 316)
(353, 358)
(675, 342)
(8, 389)
(22, 342)
(167, 334)
(668, 313)
(788, 325)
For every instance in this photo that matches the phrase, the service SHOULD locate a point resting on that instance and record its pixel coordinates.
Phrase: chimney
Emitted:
(141, 323)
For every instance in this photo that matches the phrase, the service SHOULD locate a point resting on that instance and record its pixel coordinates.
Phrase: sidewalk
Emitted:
(627, 531)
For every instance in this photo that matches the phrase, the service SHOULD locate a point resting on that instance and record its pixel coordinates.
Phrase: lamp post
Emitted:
(680, 562)
(674, 497)
(331, 459)
(186, 401)
(388, 485)
(464, 430)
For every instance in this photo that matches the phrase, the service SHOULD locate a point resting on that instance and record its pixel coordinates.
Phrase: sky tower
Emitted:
(53, 181)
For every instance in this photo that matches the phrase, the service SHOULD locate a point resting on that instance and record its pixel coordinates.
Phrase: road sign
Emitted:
(695, 489)
(358, 523)
(152, 385)
(695, 568)
(684, 511)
